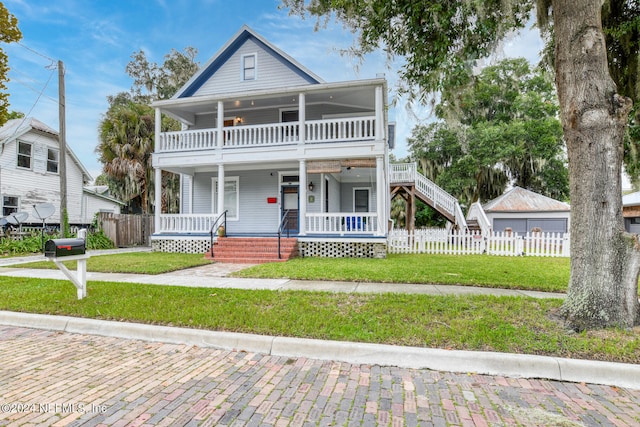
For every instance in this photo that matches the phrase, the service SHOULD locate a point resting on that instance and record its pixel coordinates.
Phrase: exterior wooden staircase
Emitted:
(405, 180)
(253, 250)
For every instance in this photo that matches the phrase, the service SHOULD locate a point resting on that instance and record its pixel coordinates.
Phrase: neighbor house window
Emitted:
(231, 197)
(24, 155)
(53, 157)
(10, 205)
(249, 63)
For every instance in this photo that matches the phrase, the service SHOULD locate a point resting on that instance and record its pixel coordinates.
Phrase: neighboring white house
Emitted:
(523, 211)
(264, 138)
(29, 173)
(97, 199)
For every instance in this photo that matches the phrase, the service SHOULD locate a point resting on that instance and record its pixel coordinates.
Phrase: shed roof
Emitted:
(632, 199)
(520, 200)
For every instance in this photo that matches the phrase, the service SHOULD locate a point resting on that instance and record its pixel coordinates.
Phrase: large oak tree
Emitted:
(437, 39)
(501, 126)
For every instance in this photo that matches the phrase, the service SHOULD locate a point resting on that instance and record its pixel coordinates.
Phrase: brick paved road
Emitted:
(51, 378)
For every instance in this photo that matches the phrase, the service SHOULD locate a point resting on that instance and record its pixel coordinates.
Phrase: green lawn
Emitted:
(531, 273)
(506, 324)
(132, 262)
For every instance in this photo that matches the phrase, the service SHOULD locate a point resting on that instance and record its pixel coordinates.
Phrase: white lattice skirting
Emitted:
(186, 245)
(343, 249)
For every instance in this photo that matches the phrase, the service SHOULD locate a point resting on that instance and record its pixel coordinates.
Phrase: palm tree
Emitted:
(126, 144)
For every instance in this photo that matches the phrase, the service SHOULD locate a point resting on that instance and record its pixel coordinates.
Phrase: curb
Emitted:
(485, 363)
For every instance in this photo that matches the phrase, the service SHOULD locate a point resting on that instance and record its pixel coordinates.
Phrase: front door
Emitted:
(290, 206)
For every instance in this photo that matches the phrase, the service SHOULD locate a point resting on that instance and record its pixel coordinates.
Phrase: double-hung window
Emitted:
(10, 205)
(231, 197)
(24, 155)
(53, 158)
(249, 67)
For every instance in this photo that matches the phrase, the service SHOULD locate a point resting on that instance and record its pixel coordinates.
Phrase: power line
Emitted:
(34, 104)
(25, 77)
(53, 61)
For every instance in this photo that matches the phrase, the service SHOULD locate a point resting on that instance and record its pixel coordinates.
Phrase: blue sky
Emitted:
(95, 40)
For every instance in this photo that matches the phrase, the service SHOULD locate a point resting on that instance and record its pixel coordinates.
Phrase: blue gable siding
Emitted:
(235, 45)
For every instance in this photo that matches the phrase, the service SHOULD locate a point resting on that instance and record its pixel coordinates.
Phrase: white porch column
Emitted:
(158, 199)
(190, 193)
(302, 112)
(220, 189)
(220, 126)
(382, 189)
(379, 113)
(302, 193)
(157, 130)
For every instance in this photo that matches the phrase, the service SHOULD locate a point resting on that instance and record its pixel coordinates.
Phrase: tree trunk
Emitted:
(605, 261)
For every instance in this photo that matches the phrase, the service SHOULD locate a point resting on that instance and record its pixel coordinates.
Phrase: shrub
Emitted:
(98, 240)
(28, 244)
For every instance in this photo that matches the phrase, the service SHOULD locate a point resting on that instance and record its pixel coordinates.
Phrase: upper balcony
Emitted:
(270, 134)
(347, 112)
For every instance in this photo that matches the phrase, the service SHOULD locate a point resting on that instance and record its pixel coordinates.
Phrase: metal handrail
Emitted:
(284, 221)
(223, 224)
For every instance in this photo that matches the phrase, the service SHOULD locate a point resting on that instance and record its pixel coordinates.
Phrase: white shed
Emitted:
(523, 210)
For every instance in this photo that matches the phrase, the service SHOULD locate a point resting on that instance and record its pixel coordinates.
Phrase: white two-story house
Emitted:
(279, 150)
(30, 173)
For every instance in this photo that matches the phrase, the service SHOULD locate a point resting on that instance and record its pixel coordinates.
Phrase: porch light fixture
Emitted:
(238, 119)
(311, 186)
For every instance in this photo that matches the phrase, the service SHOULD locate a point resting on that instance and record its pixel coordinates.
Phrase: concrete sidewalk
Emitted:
(217, 276)
(491, 363)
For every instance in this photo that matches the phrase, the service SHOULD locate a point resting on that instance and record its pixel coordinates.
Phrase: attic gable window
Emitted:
(24, 155)
(53, 157)
(249, 67)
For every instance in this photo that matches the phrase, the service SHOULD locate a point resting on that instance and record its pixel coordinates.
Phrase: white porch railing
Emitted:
(337, 130)
(187, 140)
(459, 242)
(343, 223)
(408, 172)
(270, 134)
(256, 135)
(186, 223)
(477, 213)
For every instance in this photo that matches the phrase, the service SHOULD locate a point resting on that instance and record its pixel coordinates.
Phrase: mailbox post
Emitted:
(59, 250)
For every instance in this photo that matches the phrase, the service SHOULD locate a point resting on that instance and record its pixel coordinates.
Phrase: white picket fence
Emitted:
(442, 241)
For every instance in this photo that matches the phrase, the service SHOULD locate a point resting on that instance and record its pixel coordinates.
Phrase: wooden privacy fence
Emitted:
(127, 230)
(442, 241)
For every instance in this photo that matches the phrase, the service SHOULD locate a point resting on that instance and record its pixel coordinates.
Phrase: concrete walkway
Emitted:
(215, 275)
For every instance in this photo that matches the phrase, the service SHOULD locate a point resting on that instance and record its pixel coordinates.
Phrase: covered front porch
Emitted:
(330, 201)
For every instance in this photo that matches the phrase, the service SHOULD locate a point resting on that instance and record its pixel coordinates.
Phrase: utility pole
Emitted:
(62, 161)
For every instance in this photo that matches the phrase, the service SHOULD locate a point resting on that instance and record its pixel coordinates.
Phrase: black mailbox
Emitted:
(64, 247)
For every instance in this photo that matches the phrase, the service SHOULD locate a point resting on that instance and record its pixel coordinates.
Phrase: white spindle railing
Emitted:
(402, 172)
(256, 135)
(187, 140)
(186, 223)
(337, 130)
(343, 223)
(477, 213)
(317, 131)
(408, 172)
